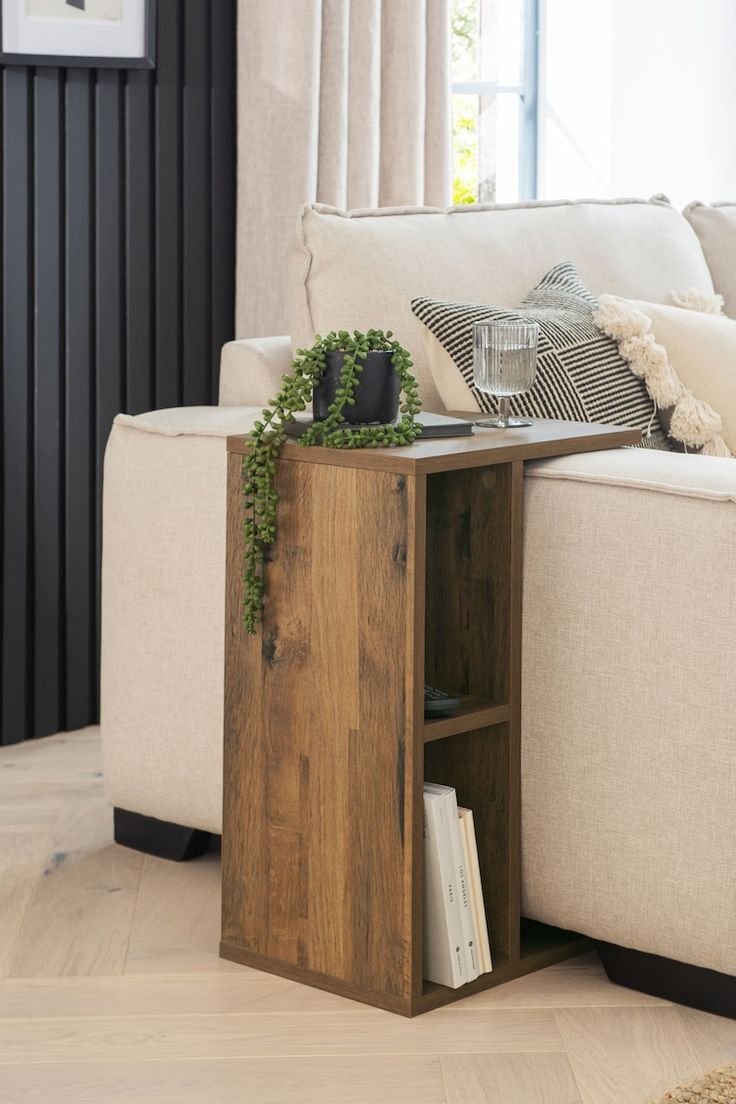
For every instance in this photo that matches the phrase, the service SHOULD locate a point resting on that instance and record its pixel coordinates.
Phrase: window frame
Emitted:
(528, 93)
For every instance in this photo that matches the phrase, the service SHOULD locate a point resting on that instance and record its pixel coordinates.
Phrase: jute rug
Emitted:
(716, 1087)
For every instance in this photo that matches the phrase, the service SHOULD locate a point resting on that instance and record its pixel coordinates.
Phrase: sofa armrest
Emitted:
(251, 370)
(628, 701)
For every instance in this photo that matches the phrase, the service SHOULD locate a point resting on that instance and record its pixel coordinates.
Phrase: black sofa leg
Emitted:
(158, 837)
(680, 982)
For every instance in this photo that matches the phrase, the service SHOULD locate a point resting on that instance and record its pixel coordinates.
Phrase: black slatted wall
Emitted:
(118, 231)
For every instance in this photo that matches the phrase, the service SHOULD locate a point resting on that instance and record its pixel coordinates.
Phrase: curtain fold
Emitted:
(344, 102)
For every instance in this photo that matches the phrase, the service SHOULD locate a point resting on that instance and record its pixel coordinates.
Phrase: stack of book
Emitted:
(456, 944)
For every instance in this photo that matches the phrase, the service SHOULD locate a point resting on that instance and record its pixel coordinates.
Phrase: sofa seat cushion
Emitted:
(628, 689)
(706, 477)
(360, 269)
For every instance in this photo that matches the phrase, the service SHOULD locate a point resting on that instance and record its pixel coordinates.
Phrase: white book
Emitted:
(470, 942)
(476, 889)
(444, 957)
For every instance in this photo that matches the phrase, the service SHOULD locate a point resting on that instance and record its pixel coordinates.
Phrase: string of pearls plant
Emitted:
(268, 436)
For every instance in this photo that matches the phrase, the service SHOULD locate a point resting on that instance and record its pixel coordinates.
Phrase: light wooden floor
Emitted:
(111, 991)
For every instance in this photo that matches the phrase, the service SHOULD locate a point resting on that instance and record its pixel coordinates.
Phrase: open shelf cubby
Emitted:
(393, 568)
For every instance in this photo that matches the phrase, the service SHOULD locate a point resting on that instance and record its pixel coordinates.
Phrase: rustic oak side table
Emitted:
(392, 568)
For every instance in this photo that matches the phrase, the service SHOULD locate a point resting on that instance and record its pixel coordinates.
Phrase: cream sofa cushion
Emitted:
(628, 698)
(251, 370)
(716, 229)
(362, 268)
(163, 616)
(701, 349)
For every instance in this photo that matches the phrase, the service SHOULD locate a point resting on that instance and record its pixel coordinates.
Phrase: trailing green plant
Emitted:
(269, 434)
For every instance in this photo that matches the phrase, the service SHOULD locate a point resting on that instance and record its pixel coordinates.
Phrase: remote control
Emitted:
(437, 701)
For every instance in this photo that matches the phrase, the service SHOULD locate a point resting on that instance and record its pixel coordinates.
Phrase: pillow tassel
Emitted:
(694, 422)
(695, 300)
(716, 447)
(619, 320)
(648, 360)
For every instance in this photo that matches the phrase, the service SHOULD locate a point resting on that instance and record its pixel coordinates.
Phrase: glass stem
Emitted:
(504, 410)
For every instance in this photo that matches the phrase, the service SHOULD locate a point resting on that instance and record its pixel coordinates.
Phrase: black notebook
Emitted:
(433, 425)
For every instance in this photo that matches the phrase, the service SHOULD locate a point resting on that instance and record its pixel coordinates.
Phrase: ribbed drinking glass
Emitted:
(504, 364)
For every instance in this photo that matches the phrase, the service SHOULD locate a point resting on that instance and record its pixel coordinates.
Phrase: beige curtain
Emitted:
(345, 102)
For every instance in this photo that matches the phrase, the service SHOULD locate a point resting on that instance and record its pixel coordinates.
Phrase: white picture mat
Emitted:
(76, 9)
(24, 34)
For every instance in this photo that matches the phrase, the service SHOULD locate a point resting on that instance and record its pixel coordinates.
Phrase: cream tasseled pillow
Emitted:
(687, 359)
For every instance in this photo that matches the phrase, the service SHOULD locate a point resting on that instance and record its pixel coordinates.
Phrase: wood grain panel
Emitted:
(139, 1039)
(320, 751)
(79, 917)
(511, 1078)
(713, 1037)
(411, 1079)
(627, 1055)
(162, 941)
(545, 437)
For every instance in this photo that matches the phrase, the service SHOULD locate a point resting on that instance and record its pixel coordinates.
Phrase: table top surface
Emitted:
(486, 446)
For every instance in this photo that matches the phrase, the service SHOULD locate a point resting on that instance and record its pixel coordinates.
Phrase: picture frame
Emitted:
(69, 33)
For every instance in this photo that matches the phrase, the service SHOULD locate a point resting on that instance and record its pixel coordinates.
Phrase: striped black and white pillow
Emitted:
(580, 375)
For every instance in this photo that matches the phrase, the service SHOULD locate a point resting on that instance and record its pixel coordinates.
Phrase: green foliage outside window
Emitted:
(465, 108)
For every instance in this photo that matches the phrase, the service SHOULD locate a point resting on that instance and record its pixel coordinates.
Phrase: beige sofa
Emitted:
(629, 683)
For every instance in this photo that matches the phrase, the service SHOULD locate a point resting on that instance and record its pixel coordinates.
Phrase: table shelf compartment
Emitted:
(477, 765)
(467, 582)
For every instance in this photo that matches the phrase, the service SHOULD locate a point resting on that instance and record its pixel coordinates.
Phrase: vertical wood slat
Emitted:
(48, 708)
(196, 349)
(131, 272)
(168, 216)
(110, 282)
(80, 396)
(222, 179)
(17, 366)
(139, 268)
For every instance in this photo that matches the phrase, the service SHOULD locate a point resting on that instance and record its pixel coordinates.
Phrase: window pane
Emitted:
(465, 149)
(508, 133)
(486, 148)
(487, 41)
(487, 48)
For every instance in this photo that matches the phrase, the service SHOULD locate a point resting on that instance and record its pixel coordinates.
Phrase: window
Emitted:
(494, 100)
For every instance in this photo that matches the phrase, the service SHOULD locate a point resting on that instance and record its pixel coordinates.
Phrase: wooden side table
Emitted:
(392, 568)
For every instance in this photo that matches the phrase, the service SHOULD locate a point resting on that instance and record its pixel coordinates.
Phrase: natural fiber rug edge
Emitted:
(716, 1087)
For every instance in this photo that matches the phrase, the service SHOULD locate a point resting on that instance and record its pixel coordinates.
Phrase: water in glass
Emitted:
(504, 364)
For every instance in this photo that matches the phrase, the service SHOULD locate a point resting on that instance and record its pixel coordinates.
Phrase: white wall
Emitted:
(638, 97)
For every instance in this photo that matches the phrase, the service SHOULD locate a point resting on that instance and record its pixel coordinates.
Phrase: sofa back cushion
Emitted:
(353, 270)
(716, 229)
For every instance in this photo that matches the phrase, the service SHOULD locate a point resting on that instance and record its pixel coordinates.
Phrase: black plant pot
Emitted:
(376, 392)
